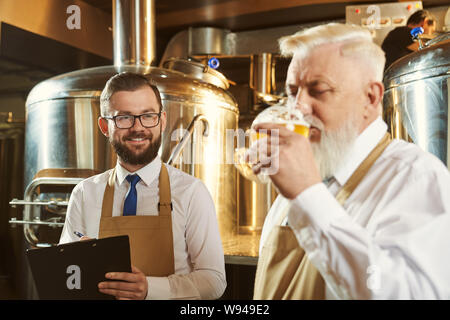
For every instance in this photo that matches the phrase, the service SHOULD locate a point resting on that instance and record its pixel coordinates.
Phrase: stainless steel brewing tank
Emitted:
(62, 133)
(416, 100)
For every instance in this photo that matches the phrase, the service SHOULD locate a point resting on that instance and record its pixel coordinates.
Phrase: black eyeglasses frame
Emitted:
(134, 119)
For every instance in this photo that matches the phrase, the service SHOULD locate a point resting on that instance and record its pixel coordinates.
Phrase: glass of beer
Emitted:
(290, 118)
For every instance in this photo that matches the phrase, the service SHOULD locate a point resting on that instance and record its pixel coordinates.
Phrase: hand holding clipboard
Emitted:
(126, 285)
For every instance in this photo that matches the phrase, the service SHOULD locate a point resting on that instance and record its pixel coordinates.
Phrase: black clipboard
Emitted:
(73, 270)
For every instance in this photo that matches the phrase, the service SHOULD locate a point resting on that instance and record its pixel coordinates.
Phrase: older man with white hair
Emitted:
(359, 216)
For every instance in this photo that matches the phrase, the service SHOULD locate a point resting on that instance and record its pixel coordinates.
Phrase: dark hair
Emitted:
(126, 81)
(418, 17)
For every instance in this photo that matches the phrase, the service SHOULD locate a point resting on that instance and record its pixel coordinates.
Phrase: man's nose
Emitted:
(137, 126)
(302, 101)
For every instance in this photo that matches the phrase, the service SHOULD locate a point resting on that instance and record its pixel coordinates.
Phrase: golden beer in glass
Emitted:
(298, 128)
(290, 118)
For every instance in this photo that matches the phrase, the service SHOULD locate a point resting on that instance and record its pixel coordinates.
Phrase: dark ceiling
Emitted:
(18, 77)
(173, 16)
(236, 15)
(161, 6)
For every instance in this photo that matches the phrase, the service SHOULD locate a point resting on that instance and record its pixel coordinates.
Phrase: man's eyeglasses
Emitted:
(148, 120)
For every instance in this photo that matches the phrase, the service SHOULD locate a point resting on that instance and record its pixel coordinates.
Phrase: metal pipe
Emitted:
(262, 73)
(442, 37)
(184, 140)
(36, 222)
(262, 79)
(134, 32)
(16, 202)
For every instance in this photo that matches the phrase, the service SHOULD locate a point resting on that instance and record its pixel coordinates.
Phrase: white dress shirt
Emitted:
(390, 239)
(198, 254)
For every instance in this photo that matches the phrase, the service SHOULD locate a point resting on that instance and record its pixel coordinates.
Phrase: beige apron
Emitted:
(151, 240)
(284, 271)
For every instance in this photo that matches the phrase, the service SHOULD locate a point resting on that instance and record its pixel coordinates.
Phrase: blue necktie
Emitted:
(129, 207)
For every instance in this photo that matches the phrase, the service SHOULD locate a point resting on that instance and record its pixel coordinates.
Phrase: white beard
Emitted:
(334, 146)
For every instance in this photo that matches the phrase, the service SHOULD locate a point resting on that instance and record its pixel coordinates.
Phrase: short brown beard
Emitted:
(143, 158)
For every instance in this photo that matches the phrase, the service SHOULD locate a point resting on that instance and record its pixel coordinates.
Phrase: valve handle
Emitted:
(213, 63)
(416, 32)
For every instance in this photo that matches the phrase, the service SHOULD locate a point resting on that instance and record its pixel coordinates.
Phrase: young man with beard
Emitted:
(176, 251)
(359, 216)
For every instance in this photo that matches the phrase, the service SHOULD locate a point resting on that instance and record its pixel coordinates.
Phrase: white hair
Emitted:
(355, 40)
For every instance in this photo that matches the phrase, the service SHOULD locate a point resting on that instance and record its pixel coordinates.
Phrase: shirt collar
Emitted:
(363, 145)
(147, 174)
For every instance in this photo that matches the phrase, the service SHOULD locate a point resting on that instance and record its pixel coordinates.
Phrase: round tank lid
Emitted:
(431, 61)
(89, 83)
(197, 70)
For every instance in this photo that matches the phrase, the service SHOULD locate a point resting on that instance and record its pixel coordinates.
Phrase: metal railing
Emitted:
(28, 221)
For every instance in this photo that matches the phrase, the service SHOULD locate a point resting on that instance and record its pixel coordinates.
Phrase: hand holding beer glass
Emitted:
(291, 118)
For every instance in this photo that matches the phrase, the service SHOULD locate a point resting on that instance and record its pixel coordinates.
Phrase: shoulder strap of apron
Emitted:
(362, 170)
(108, 196)
(165, 199)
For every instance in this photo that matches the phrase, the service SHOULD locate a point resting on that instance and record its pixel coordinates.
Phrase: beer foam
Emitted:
(280, 114)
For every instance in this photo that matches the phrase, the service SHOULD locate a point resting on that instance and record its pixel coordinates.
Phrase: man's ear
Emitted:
(103, 125)
(163, 120)
(375, 91)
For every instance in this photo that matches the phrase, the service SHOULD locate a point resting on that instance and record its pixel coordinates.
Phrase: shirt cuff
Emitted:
(315, 207)
(158, 288)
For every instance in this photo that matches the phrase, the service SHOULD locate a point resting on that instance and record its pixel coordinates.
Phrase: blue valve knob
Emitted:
(213, 63)
(415, 35)
(416, 32)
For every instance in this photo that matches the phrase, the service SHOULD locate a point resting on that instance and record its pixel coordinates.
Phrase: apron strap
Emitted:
(108, 196)
(362, 170)
(165, 201)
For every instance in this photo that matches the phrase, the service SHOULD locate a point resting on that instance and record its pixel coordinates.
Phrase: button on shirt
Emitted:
(198, 253)
(390, 238)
